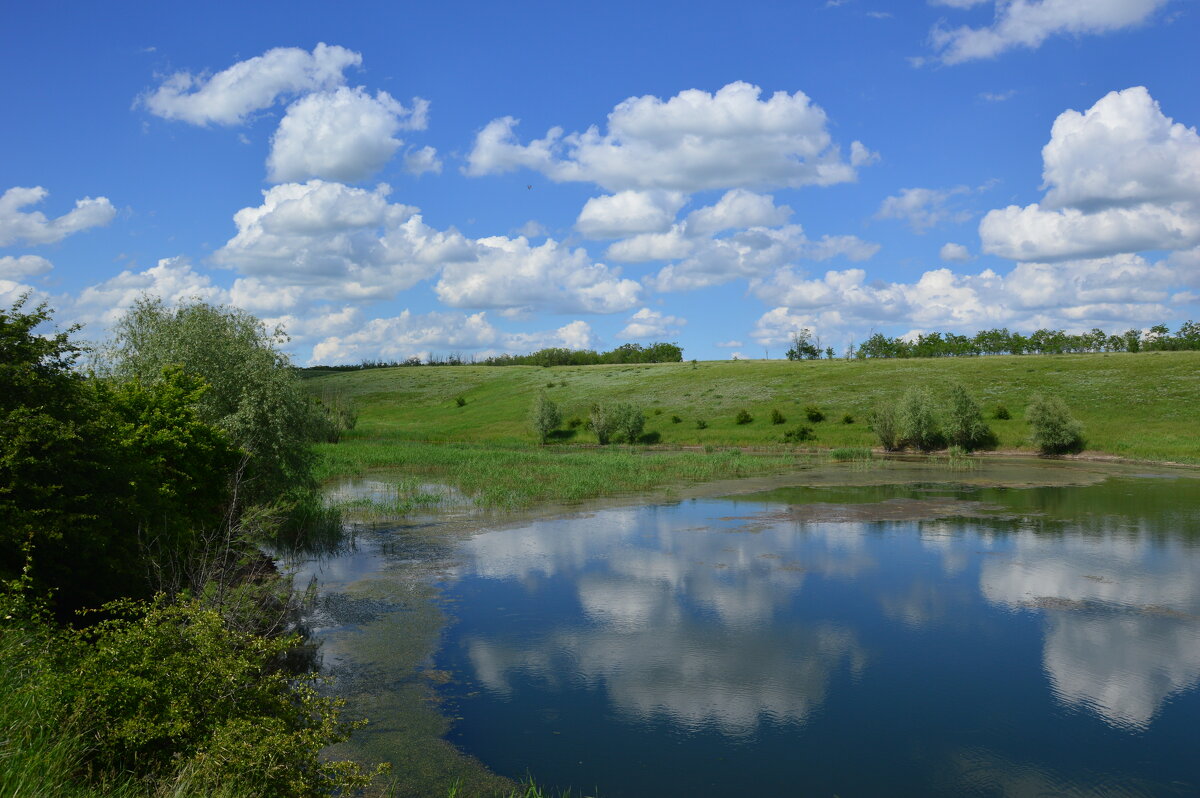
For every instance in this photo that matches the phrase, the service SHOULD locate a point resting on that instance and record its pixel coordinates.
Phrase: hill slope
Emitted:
(1140, 406)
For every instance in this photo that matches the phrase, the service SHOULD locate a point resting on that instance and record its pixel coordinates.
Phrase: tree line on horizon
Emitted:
(658, 352)
(1002, 341)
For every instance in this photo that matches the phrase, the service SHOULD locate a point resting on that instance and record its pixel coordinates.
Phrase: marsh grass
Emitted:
(514, 478)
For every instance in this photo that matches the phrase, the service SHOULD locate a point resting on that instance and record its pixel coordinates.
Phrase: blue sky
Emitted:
(396, 179)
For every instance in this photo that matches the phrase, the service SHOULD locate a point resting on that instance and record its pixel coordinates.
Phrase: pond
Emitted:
(918, 632)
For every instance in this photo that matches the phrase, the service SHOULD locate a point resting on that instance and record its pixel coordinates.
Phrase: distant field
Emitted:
(1141, 406)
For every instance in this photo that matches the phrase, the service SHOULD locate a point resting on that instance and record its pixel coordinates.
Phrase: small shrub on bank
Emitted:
(777, 417)
(813, 413)
(1002, 413)
(743, 417)
(701, 424)
(621, 420)
(886, 427)
(575, 423)
(544, 417)
(799, 435)
(847, 419)
(917, 421)
(460, 400)
(965, 426)
(1053, 429)
(676, 420)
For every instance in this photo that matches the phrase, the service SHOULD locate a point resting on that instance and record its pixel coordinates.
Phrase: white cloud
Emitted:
(510, 273)
(35, 228)
(628, 213)
(1120, 177)
(998, 96)
(418, 162)
(419, 335)
(1028, 23)
(342, 242)
(344, 134)
(923, 208)
(954, 253)
(172, 279)
(737, 208)
(532, 229)
(690, 142)
(729, 344)
(753, 253)
(647, 324)
(16, 267)
(229, 96)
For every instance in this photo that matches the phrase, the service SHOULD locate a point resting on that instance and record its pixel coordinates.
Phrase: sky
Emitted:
(387, 180)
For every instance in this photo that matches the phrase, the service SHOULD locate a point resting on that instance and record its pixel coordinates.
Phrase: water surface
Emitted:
(926, 638)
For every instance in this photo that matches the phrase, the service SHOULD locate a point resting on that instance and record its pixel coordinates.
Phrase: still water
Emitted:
(927, 638)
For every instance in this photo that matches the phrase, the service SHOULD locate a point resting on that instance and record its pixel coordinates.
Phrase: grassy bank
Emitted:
(1140, 406)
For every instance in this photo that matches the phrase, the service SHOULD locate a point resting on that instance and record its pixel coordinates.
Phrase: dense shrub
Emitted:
(460, 401)
(676, 420)
(701, 424)
(813, 413)
(617, 421)
(799, 435)
(743, 417)
(1002, 413)
(777, 417)
(544, 417)
(847, 419)
(917, 421)
(965, 426)
(1053, 429)
(884, 423)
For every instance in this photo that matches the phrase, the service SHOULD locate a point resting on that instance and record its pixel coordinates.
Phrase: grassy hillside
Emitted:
(1140, 406)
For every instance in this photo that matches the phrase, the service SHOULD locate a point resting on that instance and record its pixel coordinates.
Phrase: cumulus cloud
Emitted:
(418, 335)
(628, 213)
(1104, 292)
(647, 324)
(954, 253)
(17, 267)
(349, 243)
(752, 253)
(924, 208)
(737, 208)
(1120, 177)
(690, 142)
(511, 273)
(344, 134)
(1028, 23)
(35, 228)
(231, 95)
(418, 162)
(172, 279)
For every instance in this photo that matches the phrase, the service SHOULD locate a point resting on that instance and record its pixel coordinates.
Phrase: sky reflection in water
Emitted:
(720, 646)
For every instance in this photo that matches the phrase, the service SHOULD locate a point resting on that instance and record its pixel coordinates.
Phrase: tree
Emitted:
(1053, 429)
(544, 417)
(916, 421)
(254, 396)
(803, 346)
(965, 426)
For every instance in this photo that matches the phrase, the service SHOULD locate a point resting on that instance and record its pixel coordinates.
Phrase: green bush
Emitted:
(965, 426)
(847, 419)
(575, 423)
(460, 401)
(777, 417)
(701, 424)
(886, 426)
(813, 413)
(622, 421)
(1002, 413)
(799, 435)
(544, 417)
(676, 420)
(917, 421)
(743, 417)
(1053, 429)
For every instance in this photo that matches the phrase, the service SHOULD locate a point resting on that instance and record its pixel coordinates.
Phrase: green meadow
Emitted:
(1138, 406)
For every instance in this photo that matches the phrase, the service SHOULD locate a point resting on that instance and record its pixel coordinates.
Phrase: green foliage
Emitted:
(701, 424)
(101, 485)
(1053, 429)
(1002, 413)
(461, 401)
(255, 396)
(965, 426)
(804, 347)
(575, 423)
(676, 420)
(777, 417)
(743, 417)
(813, 413)
(917, 420)
(886, 427)
(544, 417)
(602, 422)
(847, 419)
(799, 434)
(618, 421)
(850, 454)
